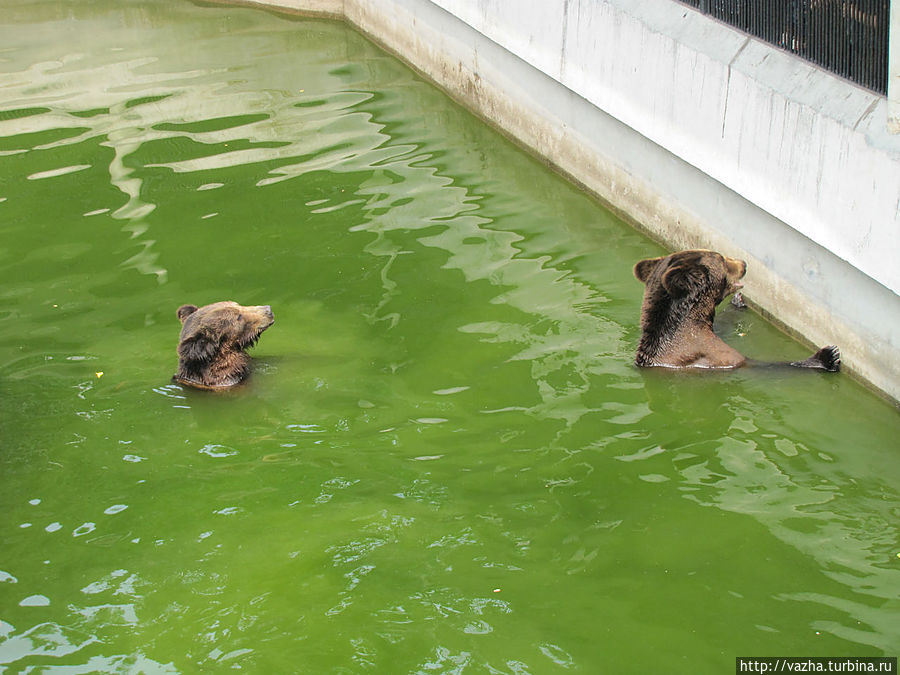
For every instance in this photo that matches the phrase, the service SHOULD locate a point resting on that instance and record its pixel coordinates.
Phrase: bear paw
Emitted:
(830, 358)
(827, 358)
(737, 301)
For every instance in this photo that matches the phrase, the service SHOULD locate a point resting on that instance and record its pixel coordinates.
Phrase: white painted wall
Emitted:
(804, 145)
(700, 134)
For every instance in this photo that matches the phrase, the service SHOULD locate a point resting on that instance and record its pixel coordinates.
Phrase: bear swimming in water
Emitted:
(680, 299)
(213, 339)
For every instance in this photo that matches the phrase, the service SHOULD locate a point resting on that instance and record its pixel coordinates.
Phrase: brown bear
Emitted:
(213, 339)
(682, 291)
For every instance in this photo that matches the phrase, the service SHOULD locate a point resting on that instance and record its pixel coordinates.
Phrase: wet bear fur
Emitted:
(211, 348)
(680, 299)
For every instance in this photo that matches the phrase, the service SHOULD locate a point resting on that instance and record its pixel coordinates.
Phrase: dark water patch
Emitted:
(311, 103)
(6, 115)
(90, 113)
(217, 124)
(36, 139)
(177, 148)
(144, 100)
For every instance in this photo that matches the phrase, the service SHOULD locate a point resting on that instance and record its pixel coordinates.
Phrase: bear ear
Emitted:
(644, 269)
(185, 311)
(197, 348)
(680, 280)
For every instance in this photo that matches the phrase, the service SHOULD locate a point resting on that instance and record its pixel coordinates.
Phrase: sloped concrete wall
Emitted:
(702, 136)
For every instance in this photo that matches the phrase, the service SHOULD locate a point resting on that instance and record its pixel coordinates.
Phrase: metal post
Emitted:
(894, 70)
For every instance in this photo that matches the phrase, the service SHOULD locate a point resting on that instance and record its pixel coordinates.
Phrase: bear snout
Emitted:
(735, 268)
(266, 313)
(734, 271)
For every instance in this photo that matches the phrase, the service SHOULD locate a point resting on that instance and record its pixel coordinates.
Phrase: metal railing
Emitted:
(847, 37)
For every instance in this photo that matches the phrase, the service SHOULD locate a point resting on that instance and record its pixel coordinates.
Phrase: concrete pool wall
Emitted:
(698, 134)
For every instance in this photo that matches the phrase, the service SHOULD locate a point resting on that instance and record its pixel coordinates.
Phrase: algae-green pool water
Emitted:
(444, 461)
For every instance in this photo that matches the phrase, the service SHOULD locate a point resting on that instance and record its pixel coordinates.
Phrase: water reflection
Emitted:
(746, 460)
(239, 125)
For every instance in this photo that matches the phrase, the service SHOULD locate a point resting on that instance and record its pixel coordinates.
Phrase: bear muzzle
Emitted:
(266, 312)
(734, 271)
(262, 318)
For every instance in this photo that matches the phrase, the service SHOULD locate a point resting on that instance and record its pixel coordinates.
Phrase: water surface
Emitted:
(445, 461)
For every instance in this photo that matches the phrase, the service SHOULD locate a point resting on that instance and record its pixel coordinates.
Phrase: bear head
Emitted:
(680, 298)
(213, 339)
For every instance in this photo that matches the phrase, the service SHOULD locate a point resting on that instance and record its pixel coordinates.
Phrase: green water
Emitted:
(444, 461)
